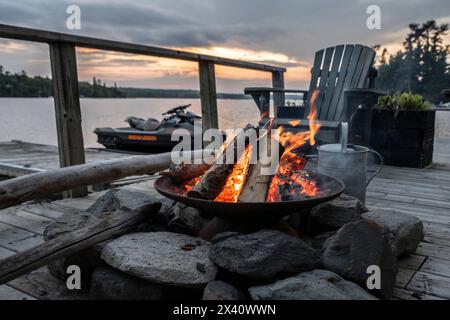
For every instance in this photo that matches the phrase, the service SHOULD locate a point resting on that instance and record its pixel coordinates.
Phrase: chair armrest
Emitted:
(253, 90)
(302, 123)
(364, 92)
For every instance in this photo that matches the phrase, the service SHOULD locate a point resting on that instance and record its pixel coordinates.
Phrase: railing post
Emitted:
(208, 94)
(67, 108)
(278, 97)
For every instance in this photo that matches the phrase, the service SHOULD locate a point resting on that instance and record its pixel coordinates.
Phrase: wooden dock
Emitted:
(423, 193)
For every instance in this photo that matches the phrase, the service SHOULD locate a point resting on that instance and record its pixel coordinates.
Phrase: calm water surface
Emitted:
(33, 119)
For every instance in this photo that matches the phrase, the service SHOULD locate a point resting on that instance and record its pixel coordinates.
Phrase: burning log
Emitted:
(185, 172)
(215, 178)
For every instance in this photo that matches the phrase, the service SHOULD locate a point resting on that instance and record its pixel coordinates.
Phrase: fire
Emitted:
(188, 185)
(291, 181)
(291, 178)
(236, 179)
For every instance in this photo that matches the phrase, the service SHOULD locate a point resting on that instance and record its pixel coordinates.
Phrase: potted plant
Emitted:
(402, 130)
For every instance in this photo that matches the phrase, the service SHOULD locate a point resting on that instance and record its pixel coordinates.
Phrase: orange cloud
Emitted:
(114, 66)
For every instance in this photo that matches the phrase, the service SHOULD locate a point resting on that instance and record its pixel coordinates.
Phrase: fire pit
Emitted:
(252, 212)
(241, 194)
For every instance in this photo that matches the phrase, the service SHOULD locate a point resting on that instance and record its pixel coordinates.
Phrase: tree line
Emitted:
(421, 67)
(22, 85)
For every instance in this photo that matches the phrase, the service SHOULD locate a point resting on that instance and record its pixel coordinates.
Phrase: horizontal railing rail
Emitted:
(36, 35)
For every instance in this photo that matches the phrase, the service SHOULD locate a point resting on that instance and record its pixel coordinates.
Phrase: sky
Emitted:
(283, 32)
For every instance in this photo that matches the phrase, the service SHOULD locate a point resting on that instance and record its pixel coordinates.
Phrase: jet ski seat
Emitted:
(151, 124)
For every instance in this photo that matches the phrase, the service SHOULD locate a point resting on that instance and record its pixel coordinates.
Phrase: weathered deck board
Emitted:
(37, 156)
(424, 193)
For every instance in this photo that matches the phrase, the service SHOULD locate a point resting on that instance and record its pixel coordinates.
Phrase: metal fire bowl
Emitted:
(252, 212)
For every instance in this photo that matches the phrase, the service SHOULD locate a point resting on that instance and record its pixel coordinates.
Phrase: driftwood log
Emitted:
(39, 185)
(212, 182)
(75, 241)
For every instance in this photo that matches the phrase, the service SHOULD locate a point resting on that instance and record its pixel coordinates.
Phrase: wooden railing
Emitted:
(65, 82)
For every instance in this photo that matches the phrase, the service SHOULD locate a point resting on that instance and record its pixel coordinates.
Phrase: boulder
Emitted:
(110, 284)
(186, 220)
(313, 285)
(356, 247)
(117, 201)
(332, 215)
(224, 235)
(264, 254)
(319, 241)
(162, 257)
(219, 290)
(406, 230)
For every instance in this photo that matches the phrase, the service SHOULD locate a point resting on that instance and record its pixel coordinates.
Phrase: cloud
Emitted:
(268, 31)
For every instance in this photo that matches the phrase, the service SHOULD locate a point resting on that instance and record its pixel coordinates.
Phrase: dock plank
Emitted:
(430, 284)
(9, 293)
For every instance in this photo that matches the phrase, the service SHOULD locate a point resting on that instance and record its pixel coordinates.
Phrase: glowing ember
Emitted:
(188, 185)
(291, 181)
(236, 180)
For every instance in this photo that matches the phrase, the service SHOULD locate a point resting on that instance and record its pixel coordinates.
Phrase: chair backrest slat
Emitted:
(315, 71)
(348, 51)
(336, 69)
(324, 74)
(331, 82)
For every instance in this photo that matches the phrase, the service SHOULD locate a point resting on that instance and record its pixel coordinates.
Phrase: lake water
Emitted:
(33, 119)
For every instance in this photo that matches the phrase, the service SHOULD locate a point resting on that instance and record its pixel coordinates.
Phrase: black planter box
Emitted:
(404, 138)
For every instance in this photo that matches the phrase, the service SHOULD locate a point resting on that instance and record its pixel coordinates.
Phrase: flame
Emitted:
(314, 125)
(294, 123)
(236, 179)
(291, 176)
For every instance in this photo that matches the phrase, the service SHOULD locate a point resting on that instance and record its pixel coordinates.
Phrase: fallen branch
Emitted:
(72, 242)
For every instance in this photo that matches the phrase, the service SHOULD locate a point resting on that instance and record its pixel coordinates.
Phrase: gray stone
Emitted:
(264, 254)
(319, 241)
(115, 202)
(87, 259)
(313, 285)
(332, 215)
(219, 290)
(299, 220)
(406, 230)
(186, 220)
(224, 235)
(111, 284)
(119, 199)
(162, 257)
(355, 247)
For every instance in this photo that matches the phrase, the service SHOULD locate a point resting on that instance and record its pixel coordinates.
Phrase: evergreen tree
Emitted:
(421, 67)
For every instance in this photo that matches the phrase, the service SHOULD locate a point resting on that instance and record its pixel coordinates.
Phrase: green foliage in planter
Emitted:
(403, 101)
